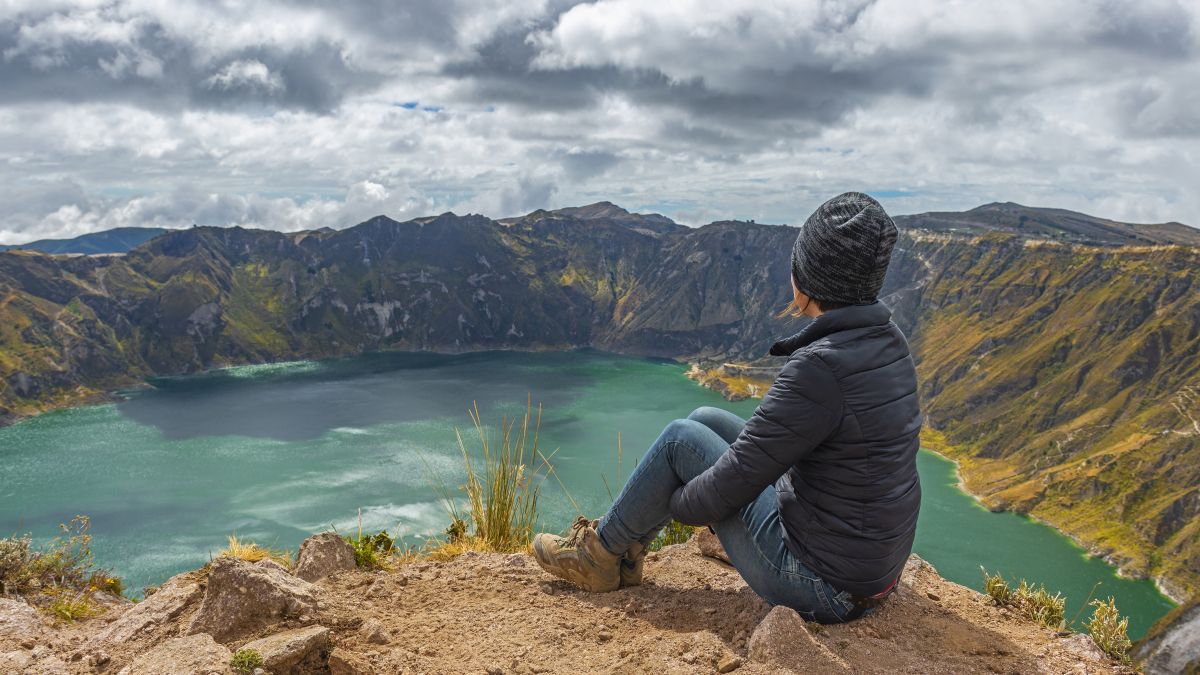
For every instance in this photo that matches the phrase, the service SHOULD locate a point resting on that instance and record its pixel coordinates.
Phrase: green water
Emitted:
(274, 453)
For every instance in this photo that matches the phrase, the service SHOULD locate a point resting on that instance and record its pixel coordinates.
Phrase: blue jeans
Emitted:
(753, 538)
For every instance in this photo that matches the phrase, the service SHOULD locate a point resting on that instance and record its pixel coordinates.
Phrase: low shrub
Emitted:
(244, 661)
(59, 577)
(1036, 604)
(1110, 630)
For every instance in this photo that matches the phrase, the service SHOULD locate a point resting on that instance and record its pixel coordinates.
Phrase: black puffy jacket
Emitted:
(838, 435)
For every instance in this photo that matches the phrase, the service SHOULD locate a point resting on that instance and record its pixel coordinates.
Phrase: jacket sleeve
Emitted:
(802, 408)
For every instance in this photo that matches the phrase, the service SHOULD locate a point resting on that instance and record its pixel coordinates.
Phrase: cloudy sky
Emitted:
(294, 114)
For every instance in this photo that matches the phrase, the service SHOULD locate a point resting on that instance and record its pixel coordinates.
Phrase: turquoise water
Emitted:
(274, 453)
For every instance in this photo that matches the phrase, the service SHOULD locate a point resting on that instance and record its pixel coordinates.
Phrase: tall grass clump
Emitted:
(1110, 630)
(503, 483)
(1036, 604)
(252, 552)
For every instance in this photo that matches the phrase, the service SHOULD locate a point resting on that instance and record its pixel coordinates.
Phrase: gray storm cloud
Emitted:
(298, 113)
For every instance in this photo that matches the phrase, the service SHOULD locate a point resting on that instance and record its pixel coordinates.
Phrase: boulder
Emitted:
(710, 545)
(782, 641)
(156, 610)
(192, 655)
(241, 597)
(18, 619)
(285, 652)
(322, 555)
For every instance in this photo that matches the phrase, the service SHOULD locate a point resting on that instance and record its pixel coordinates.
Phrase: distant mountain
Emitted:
(1058, 224)
(117, 240)
(1064, 377)
(651, 223)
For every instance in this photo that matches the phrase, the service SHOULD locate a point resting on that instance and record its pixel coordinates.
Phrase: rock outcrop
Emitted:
(1173, 644)
(241, 597)
(322, 555)
(152, 615)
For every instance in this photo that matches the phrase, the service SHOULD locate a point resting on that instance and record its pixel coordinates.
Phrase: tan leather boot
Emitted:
(579, 558)
(631, 565)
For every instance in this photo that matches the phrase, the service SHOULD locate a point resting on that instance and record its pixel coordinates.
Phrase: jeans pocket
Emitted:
(838, 603)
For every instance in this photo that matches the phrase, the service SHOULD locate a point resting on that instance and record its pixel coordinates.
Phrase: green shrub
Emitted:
(1110, 630)
(69, 605)
(674, 533)
(244, 661)
(371, 551)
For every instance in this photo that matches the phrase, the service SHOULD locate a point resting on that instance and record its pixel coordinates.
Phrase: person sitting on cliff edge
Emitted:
(815, 497)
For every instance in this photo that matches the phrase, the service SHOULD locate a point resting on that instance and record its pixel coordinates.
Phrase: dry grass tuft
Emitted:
(252, 552)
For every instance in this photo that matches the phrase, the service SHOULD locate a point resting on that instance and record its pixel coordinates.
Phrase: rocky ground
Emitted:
(499, 613)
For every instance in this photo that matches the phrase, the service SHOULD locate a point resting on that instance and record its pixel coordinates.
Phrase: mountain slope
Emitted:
(117, 240)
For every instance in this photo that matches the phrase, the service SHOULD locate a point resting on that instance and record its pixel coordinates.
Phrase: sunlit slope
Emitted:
(1067, 379)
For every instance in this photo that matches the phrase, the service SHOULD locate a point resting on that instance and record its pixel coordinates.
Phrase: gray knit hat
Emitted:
(842, 252)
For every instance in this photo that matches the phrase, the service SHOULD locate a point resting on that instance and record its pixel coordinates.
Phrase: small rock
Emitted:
(28, 643)
(729, 663)
(182, 656)
(378, 589)
(710, 610)
(604, 636)
(322, 555)
(782, 640)
(259, 671)
(241, 597)
(284, 652)
(373, 631)
(688, 657)
(495, 670)
(710, 546)
(1083, 647)
(547, 589)
(933, 596)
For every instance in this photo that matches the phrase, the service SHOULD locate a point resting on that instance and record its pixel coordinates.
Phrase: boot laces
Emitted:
(575, 536)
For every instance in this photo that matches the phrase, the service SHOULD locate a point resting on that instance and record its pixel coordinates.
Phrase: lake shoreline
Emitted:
(1159, 582)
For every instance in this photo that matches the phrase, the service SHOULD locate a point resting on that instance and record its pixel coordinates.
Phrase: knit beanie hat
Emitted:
(843, 250)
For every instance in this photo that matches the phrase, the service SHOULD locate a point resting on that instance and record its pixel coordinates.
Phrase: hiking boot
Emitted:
(579, 557)
(631, 565)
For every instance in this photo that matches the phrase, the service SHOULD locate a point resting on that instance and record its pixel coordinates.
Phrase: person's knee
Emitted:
(704, 413)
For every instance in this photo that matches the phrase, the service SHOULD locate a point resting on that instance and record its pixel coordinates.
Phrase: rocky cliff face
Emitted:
(1064, 376)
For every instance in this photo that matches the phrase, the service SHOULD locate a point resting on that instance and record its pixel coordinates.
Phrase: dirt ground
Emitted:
(499, 613)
